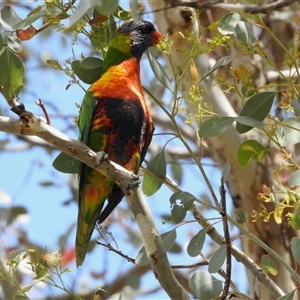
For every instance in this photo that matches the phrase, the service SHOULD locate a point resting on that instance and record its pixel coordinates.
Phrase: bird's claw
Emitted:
(101, 156)
(134, 182)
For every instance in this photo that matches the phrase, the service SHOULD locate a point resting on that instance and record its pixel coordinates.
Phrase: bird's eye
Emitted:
(145, 29)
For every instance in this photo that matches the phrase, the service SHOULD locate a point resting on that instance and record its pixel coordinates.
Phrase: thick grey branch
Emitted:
(31, 125)
(153, 245)
(247, 8)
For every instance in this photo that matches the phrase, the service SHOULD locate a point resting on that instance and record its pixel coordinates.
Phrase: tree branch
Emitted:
(247, 8)
(29, 124)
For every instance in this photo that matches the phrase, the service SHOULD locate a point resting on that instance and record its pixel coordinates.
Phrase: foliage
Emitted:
(256, 112)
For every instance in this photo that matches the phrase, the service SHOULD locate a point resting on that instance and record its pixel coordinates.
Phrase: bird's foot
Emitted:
(134, 182)
(101, 156)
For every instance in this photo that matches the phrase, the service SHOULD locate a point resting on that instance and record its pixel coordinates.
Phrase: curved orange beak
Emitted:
(156, 36)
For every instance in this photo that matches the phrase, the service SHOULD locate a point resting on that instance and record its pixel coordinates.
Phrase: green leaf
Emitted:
(295, 105)
(295, 219)
(217, 260)
(250, 149)
(14, 43)
(66, 164)
(186, 198)
(269, 264)
(244, 32)
(288, 296)
(10, 214)
(29, 20)
(107, 7)
(176, 169)
(223, 61)
(178, 213)
(228, 23)
(25, 290)
(88, 70)
(157, 165)
(81, 9)
(20, 297)
(226, 170)
(294, 179)
(142, 258)
(257, 107)
(250, 122)
(8, 17)
(16, 253)
(205, 286)
(11, 74)
(1, 41)
(288, 133)
(159, 72)
(240, 216)
(168, 240)
(47, 183)
(195, 245)
(215, 126)
(295, 247)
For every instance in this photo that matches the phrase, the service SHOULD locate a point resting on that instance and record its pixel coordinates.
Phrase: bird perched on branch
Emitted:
(114, 118)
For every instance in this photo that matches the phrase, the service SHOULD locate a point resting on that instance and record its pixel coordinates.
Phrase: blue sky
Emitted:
(24, 171)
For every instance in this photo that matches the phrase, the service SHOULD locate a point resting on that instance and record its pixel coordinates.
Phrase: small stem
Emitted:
(42, 106)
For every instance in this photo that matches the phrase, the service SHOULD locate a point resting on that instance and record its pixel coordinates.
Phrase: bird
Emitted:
(113, 118)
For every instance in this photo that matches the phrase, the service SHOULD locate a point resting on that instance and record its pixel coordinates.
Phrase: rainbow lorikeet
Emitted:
(114, 118)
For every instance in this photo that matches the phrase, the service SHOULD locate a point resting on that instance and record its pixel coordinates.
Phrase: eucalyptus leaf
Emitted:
(215, 126)
(288, 296)
(287, 133)
(178, 213)
(257, 107)
(81, 9)
(295, 219)
(186, 198)
(168, 240)
(223, 61)
(226, 170)
(294, 179)
(251, 149)
(66, 164)
(248, 121)
(217, 260)
(205, 286)
(227, 23)
(88, 70)
(157, 165)
(11, 73)
(159, 72)
(244, 32)
(195, 245)
(269, 264)
(1, 41)
(240, 215)
(8, 17)
(29, 20)
(295, 247)
(14, 43)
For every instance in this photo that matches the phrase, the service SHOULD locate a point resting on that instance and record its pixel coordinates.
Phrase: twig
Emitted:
(223, 213)
(111, 248)
(42, 106)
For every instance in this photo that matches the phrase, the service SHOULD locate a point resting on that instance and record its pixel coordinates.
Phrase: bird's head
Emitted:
(132, 39)
(141, 34)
